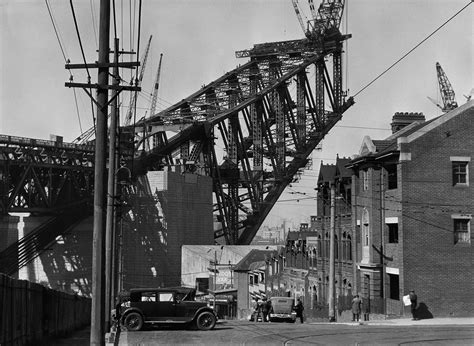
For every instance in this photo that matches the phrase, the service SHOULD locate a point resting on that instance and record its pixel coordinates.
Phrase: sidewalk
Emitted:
(410, 322)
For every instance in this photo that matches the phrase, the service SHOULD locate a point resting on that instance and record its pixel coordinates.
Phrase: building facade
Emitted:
(413, 205)
(403, 211)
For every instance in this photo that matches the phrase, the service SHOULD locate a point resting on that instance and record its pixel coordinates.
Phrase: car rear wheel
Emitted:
(205, 320)
(133, 321)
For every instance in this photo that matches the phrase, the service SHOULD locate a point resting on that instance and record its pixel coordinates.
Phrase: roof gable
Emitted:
(254, 260)
(326, 173)
(367, 147)
(468, 106)
(341, 170)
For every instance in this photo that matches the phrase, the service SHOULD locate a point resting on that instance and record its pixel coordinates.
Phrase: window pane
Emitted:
(462, 231)
(459, 172)
(392, 232)
(166, 297)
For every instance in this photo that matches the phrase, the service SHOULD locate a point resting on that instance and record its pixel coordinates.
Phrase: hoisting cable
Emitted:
(65, 60)
(84, 58)
(80, 41)
(93, 24)
(411, 50)
(136, 75)
(347, 45)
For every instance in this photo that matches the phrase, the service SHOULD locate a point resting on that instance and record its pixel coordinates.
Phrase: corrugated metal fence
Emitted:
(30, 312)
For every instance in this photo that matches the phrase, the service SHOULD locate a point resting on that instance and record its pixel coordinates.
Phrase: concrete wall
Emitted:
(152, 251)
(65, 265)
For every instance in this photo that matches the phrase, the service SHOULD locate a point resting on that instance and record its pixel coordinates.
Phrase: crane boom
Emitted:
(155, 89)
(312, 8)
(446, 90)
(298, 14)
(328, 17)
(133, 99)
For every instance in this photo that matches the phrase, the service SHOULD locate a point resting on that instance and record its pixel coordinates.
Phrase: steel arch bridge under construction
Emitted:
(268, 114)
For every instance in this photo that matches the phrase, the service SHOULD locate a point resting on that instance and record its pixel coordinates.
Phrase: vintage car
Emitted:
(176, 305)
(282, 309)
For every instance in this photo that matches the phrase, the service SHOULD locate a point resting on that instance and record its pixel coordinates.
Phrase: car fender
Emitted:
(202, 309)
(126, 312)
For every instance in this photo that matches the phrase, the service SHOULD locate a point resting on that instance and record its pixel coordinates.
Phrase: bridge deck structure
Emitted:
(268, 115)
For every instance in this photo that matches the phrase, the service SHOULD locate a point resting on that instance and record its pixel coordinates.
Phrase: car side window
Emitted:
(179, 296)
(148, 297)
(165, 297)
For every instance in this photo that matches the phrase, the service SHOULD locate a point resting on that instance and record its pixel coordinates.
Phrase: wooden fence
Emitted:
(30, 312)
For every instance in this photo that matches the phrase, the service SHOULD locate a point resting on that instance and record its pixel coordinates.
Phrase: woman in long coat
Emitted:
(356, 307)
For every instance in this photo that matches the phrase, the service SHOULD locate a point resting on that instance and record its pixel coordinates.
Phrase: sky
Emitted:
(198, 39)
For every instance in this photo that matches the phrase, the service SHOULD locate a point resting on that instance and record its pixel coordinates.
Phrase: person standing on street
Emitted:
(356, 307)
(269, 308)
(265, 311)
(299, 309)
(414, 301)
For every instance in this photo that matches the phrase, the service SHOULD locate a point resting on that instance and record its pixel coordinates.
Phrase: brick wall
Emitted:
(440, 271)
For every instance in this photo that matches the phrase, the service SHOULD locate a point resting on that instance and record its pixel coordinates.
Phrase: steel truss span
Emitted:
(46, 177)
(252, 130)
(267, 116)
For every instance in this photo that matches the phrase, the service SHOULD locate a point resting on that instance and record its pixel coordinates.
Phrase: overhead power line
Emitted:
(411, 50)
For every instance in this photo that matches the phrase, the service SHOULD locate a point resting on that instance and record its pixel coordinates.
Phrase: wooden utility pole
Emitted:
(111, 193)
(382, 240)
(355, 283)
(332, 271)
(97, 336)
(215, 278)
(98, 273)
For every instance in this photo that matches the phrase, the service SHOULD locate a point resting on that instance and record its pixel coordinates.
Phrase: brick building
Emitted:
(403, 211)
(413, 204)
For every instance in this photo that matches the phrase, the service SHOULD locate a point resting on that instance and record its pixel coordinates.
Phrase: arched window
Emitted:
(326, 245)
(344, 247)
(320, 246)
(336, 248)
(365, 236)
(349, 247)
(365, 228)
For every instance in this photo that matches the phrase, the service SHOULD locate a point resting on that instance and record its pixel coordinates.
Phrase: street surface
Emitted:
(250, 333)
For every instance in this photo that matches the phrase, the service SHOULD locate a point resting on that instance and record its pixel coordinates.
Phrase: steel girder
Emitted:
(268, 110)
(40, 176)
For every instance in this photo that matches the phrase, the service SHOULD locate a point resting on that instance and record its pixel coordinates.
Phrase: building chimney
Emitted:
(402, 119)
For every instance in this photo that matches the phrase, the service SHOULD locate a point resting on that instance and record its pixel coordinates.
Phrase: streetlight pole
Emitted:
(332, 276)
(215, 278)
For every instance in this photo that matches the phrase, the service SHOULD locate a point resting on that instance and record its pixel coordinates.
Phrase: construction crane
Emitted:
(300, 18)
(133, 98)
(158, 137)
(446, 90)
(155, 89)
(328, 16)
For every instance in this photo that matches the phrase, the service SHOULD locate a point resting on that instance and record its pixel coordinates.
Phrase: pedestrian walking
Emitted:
(356, 308)
(269, 309)
(299, 309)
(265, 311)
(257, 309)
(414, 302)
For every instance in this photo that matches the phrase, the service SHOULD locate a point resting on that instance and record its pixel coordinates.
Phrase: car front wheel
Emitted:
(205, 320)
(133, 321)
